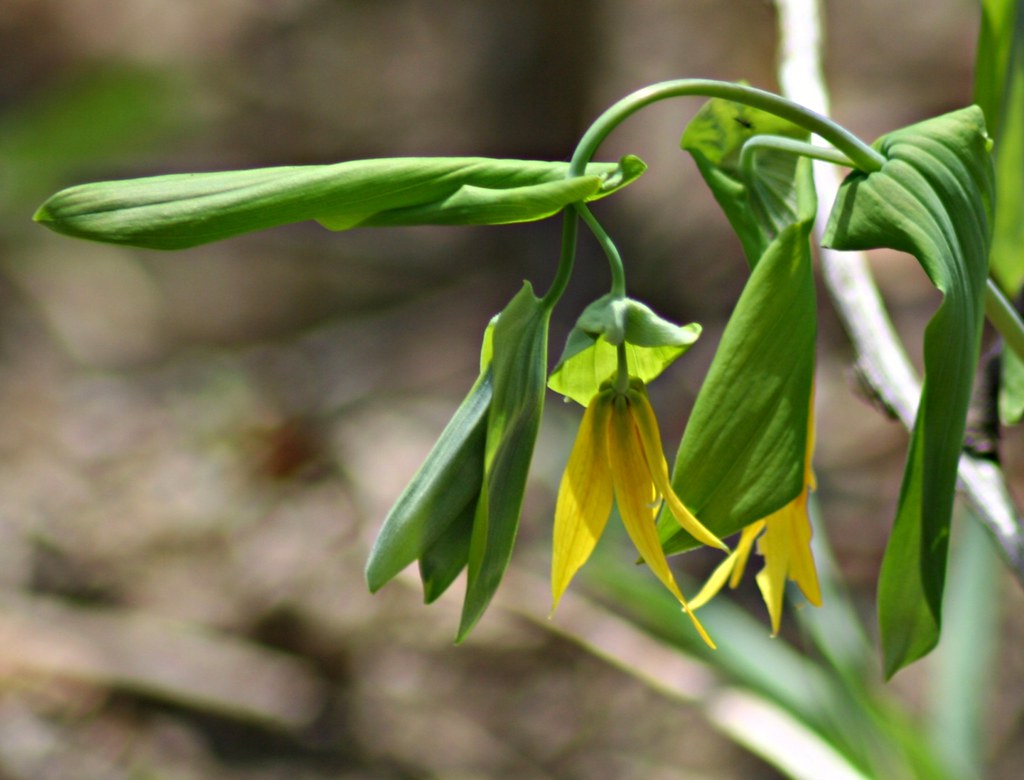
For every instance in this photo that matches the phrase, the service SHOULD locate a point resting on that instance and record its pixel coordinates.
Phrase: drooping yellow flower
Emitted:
(784, 541)
(618, 455)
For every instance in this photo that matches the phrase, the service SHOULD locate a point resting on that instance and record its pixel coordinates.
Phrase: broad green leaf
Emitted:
(742, 454)
(758, 206)
(182, 210)
(591, 356)
(519, 371)
(932, 199)
(448, 482)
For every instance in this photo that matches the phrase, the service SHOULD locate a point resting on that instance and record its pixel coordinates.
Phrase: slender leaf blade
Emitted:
(444, 486)
(520, 371)
(445, 559)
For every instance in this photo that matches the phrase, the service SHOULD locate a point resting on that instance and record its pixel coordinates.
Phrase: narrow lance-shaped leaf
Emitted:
(743, 453)
(932, 199)
(183, 210)
(445, 559)
(519, 371)
(433, 506)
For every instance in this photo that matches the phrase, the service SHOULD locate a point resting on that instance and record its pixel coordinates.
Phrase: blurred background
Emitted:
(196, 449)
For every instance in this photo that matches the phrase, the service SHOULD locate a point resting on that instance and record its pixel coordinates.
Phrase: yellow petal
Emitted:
(743, 547)
(632, 481)
(787, 555)
(731, 569)
(715, 582)
(647, 427)
(809, 481)
(584, 499)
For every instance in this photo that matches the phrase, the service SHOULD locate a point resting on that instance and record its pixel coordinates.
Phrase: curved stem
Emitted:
(610, 250)
(1004, 318)
(783, 144)
(860, 154)
(570, 229)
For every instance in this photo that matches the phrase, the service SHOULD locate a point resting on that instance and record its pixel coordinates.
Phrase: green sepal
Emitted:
(758, 206)
(744, 449)
(931, 199)
(519, 371)
(448, 482)
(590, 355)
(183, 210)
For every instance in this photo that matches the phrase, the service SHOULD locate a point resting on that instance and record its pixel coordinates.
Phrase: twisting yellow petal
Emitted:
(715, 582)
(743, 548)
(632, 480)
(731, 569)
(647, 426)
(584, 498)
(786, 547)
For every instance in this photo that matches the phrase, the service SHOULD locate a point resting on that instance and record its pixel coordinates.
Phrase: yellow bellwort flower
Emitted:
(784, 541)
(618, 455)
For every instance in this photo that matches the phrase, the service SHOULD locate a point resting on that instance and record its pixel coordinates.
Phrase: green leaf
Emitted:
(932, 199)
(182, 210)
(1007, 252)
(590, 355)
(442, 562)
(519, 372)
(743, 452)
(448, 482)
(962, 683)
(997, 36)
(762, 202)
(1011, 388)
(999, 90)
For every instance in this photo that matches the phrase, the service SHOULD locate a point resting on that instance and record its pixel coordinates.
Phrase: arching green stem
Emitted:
(570, 229)
(860, 154)
(783, 144)
(1004, 318)
(610, 250)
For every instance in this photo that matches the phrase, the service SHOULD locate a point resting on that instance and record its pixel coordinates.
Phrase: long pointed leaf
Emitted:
(520, 372)
(444, 486)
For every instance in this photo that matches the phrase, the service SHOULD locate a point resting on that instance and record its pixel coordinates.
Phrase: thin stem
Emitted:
(610, 250)
(570, 229)
(860, 154)
(622, 375)
(1004, 318)
(791, 145)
